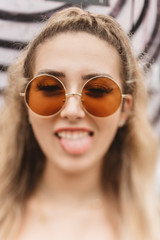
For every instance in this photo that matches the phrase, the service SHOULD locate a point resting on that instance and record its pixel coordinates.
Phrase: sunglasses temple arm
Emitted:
(21, 94)
(124, 95)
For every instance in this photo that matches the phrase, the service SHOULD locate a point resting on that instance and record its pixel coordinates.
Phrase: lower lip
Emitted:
(76, 146)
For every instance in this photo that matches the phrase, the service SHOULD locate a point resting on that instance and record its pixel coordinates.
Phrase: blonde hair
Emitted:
(128, 171)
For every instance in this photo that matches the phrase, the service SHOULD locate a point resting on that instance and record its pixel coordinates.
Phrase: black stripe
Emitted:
(3, 68)
(1, 91)
(155, 35)
(155, 32)
(117, 8)
(140, 19)
(154, 57)
(157, 117)
(156, 53)
(12, 44)
(32, 17)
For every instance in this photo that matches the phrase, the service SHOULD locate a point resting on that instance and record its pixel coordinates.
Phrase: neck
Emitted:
(65, 187)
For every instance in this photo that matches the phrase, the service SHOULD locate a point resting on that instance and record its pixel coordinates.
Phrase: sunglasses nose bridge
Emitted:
(73, 94)
(69, 95)
(72, 108)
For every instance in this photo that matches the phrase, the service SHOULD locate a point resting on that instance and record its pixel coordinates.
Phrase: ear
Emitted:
(125, 110)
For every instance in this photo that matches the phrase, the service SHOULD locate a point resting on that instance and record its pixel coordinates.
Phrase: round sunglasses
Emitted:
(46, 95)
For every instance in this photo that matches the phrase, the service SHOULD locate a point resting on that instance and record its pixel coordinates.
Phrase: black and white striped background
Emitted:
(20, 20)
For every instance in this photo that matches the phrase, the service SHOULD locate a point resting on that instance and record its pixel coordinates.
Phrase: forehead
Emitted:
(78, 52)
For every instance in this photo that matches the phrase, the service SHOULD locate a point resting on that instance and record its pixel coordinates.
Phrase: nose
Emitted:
(72, 109)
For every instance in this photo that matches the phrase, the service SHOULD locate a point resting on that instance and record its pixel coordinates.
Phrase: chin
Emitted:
(74, 164)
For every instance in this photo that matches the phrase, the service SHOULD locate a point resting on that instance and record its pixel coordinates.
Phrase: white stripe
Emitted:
(3, 80)
(16, 31)
(29, 6)
(8, 55)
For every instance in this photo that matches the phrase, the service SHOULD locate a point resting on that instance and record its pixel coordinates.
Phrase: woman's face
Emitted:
(73, 140)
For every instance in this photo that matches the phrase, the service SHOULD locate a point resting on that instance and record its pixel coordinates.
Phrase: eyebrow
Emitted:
(88, 76)
(84, 77)
(53, 73)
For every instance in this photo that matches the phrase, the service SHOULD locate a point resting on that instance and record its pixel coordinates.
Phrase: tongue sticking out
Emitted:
(76, 146)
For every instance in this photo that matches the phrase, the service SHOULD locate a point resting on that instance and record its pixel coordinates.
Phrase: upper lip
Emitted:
(73, 129)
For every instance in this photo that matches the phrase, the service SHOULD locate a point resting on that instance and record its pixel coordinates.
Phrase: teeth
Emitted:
(73, 135)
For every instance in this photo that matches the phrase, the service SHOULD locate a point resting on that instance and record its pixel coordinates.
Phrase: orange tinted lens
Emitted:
(45, 95)
(101, 96)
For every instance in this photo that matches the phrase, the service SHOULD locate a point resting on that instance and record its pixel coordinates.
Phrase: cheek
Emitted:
(110, 121)
(109, 126)
(41, 127)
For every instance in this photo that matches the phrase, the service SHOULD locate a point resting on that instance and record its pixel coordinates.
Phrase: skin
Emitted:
(71, 179)
(82, 54)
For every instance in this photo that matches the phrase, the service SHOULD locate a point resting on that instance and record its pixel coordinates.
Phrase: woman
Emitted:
(77, 152)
